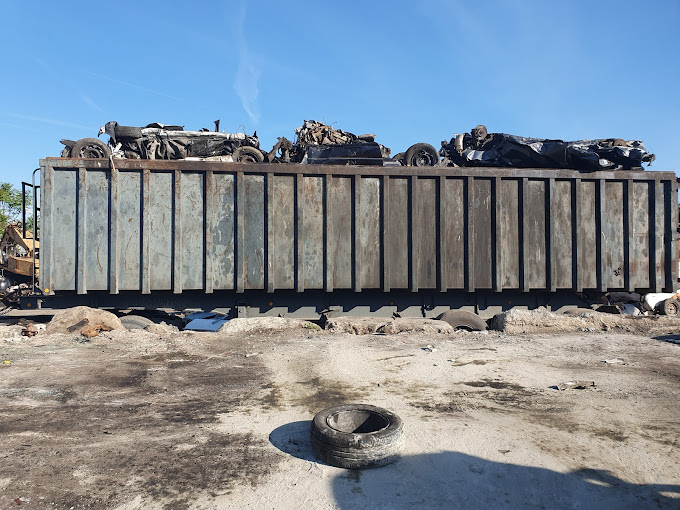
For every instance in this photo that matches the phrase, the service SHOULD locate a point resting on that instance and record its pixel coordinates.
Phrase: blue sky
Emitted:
(408, 71)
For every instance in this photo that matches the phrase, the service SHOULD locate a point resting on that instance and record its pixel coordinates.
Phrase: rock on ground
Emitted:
(249, 325)
(65, 319)
(371, 325)
(161, 329)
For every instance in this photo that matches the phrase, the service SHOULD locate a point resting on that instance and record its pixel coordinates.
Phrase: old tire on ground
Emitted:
(135, 321)
(128, 132)
(247, 154)
(462, 319)
(90, 148)
(357, 436)
(421, 154)
(670, 307)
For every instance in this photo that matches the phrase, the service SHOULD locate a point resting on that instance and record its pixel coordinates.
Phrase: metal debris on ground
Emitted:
(94, 330)
(29, 330)
(78, 325)
(204, 321)
(615, 361)
(574, 385)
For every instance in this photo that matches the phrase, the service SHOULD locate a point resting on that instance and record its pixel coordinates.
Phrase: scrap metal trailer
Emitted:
(304, 241)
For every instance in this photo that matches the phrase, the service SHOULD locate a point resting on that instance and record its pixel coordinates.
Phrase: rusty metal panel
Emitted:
(223, 230)
(534, 234)
(161, 232)
(313, 232)
(64, 241)
(397, 238)
(639, 263)
(508, 199)
(561, 228)
(283, 227)
(425, 233)
(129, 230)
(253, 243)
(369, 246)
(340, 232)
(612, 235)
(192, 218)
(660, 235)
(455, 233)
(97, 220)
(484, 258)
(47, 228)
(176, 226)
(587, 236)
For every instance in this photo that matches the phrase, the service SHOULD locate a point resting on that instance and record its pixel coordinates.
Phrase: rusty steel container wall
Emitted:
(175, 226)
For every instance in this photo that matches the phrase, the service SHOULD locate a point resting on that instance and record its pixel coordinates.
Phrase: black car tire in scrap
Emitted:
(247, 154)
(670, 307)
(421, 154)
(90, 148)
(357, 436)
(462, 319)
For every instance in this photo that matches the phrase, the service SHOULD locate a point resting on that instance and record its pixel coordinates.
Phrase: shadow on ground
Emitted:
(457, 480)
(293, 439)
(460, 481)
(671, 339)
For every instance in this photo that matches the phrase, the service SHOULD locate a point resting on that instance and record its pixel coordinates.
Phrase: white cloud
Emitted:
(90, 102)
(248, 73)
(47, 120)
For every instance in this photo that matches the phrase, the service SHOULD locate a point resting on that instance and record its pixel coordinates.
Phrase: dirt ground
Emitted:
(134, 419)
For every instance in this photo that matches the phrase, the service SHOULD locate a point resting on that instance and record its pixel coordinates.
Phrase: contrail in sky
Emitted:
(247, 74)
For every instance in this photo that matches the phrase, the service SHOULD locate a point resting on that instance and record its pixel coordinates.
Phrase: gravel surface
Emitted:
(167, 420)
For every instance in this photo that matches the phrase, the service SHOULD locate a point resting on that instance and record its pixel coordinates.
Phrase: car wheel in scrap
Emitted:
(462, 319)
(670, 307)
(357, 436)
(246, 154)
(90, 148)
(421, 154)
(399, 157)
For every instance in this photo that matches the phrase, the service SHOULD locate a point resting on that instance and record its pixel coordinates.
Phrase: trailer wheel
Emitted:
(135, 321)
(357, 436)
(246, 154)
(421, 154)
(462, 319)
(670, 307)
(90, 148)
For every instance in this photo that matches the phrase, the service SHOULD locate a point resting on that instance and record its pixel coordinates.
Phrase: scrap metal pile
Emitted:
(319, 143)
(480, 148)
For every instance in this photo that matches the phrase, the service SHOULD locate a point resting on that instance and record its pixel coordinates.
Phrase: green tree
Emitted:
(10, 205)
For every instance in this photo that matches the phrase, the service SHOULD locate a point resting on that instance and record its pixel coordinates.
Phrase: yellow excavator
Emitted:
(16, 253)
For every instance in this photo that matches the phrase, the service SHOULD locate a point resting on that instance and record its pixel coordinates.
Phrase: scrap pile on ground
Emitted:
(518, 321)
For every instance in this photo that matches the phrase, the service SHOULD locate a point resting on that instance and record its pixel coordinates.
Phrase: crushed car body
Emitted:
(480, 148)
(318, 143)
(160, 141)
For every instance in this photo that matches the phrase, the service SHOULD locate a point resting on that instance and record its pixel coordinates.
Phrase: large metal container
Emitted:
(240, 233)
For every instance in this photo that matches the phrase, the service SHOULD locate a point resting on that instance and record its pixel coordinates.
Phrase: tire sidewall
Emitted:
(324, 433)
